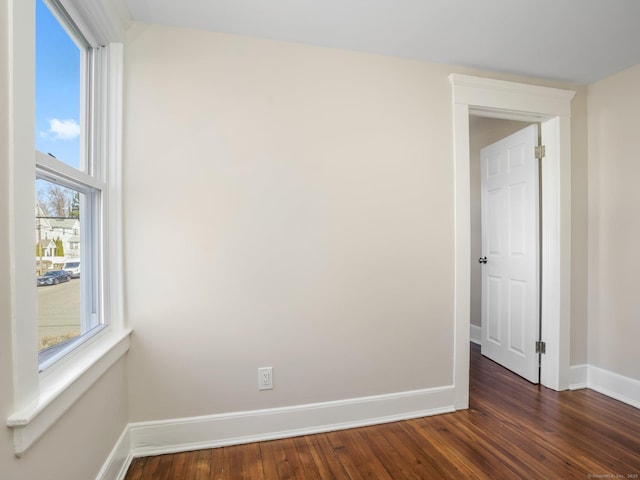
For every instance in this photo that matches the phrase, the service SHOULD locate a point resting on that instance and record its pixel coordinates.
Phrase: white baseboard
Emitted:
(578, 377)
(608, 383)
(613, 385)
(117, 464)
(170, 436)
(475, 334)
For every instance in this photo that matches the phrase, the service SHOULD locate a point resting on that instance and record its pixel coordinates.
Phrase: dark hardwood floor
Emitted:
(513, 429)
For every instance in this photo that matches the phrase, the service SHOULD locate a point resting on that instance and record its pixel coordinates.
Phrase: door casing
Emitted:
(552, 108)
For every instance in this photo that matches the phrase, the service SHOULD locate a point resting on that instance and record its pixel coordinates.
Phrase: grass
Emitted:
(52, 340)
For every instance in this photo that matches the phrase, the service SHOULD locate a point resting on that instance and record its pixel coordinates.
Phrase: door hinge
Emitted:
(540, 152)
(541, 347)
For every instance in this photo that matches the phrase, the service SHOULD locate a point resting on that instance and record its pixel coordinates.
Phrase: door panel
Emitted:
(494, 309)
(517, 219)
(510, 242)
(494, 220)
(517, 316)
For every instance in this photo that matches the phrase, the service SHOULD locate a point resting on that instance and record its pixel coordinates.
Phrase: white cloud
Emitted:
(62, 129)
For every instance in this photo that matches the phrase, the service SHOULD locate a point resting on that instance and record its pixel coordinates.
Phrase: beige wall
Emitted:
(614, 223)
(286, 205)
(76, 447)
(579, 238)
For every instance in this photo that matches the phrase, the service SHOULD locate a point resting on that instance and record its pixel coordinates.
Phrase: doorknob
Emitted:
(482, 260)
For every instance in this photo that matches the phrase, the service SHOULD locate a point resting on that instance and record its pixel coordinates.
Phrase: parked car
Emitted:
(72, 266)
(54, 277)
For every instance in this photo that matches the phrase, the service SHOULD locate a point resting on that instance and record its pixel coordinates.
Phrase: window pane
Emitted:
(58, 90)
(62, 284)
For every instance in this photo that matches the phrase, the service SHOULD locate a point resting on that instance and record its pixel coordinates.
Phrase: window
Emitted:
(62, 55)
(65, 99)
(67, 304)
(69, 187)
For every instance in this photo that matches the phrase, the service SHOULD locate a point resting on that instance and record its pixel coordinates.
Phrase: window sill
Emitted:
(62, 388)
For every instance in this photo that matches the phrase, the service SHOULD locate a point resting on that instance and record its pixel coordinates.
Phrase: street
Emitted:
(58, 312)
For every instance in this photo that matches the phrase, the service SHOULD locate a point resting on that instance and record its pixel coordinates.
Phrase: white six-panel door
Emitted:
(510, 246)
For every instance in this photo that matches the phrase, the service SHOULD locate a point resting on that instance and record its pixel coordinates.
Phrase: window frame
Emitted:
(88, 179)
(92, 319)
(40, 399)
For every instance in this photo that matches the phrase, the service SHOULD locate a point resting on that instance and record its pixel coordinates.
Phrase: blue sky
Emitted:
(57, 89)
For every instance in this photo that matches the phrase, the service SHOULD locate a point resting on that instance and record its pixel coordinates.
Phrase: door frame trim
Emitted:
(552, 108)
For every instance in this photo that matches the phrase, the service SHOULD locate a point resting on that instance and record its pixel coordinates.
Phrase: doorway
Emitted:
(505, 250)
(551, 107)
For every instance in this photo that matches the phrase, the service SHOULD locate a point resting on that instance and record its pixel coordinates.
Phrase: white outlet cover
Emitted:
(265, 378)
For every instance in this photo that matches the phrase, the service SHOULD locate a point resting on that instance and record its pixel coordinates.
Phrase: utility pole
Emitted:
(39, 228)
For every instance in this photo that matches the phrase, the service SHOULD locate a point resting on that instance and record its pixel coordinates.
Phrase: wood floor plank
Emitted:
(461, 449)
(325, 457)
(179, 466)
(201, 464)
(218, 470)
(233, 462)
(308, 459)
(344, 457)
(136, 469)
(291, 462)
(443, 459)
(417, 454)
(253, 462)
(375, 445)
(366, 463)
(269, 463)
(512, 429)
(280, 460)
(155, 466)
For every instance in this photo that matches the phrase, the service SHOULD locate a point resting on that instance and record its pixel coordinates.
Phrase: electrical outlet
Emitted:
(265, 378)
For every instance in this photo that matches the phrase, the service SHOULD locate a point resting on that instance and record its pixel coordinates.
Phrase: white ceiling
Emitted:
(573, 40)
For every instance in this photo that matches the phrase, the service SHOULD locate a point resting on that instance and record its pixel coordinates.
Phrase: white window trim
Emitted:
(41, 399)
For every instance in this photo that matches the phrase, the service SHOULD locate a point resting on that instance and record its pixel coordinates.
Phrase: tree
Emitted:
(59, 247)
(74, 209)
(55, 201)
